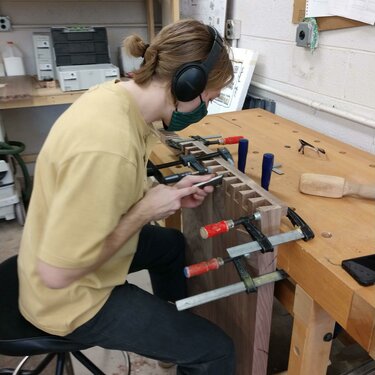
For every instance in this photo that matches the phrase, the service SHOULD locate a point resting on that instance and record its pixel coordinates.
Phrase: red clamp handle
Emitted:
(212, 230)
(202, 267)
(232, 140)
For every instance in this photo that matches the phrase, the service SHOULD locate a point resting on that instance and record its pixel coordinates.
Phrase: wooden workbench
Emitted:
(320, 292)
(28, 92)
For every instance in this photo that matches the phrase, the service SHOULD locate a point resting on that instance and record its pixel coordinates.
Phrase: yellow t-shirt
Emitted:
(90, 171)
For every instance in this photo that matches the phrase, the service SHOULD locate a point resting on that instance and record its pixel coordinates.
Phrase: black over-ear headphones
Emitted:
(190, 79)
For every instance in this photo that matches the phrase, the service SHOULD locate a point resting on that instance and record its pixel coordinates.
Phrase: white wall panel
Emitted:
(360, 82)
(323, 71)
(74, 12)
(340, 74)
(269, 63)
(268, 19)
(356, 38)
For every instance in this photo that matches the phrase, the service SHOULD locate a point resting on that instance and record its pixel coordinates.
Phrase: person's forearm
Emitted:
(128, 225)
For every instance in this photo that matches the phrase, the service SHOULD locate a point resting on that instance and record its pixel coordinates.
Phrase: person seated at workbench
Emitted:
(87, 223)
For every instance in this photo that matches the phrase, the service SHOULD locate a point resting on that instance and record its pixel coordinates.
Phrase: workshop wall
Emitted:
(120, 17)
(339, 74)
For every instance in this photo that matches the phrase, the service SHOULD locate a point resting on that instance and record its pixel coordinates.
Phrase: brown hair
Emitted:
(176, 44)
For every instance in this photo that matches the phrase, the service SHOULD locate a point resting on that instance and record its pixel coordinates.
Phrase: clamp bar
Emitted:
(152, 170)
(278, 239)
(186, 159)
(227, 291)
(178, 142)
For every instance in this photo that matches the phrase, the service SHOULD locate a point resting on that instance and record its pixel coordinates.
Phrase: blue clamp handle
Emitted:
(243, 146)
(267, 166)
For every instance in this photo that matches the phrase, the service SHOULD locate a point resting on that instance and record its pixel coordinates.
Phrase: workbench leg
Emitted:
(150, 19)
(309, 352)
(175, 10)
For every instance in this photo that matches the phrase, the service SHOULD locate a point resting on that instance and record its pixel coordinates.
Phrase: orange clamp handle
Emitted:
(202, 267)
(232, 140)
(212, 230)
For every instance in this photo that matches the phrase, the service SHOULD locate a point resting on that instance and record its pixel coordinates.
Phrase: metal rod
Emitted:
(177, 162)
(278, 239)
(227, 291)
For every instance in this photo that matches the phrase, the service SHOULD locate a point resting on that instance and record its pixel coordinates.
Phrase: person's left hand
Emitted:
(196, 199)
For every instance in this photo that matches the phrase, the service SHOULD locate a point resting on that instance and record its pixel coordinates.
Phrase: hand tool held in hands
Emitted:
(214, 181)
(333, 186)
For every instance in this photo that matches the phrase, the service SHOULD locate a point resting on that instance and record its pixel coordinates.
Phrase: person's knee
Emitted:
(219, 344)
(226, 347)
(221, 359)
(227, 359)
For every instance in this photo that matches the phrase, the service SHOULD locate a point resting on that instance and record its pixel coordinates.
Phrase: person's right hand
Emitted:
(162, 201)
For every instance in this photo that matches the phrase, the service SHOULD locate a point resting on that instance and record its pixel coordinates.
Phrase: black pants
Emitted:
(136, 321)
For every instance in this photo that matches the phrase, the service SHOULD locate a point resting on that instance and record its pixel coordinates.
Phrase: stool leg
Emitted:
(60, 364)
(37, 370)
(20, 365)
(87, 363)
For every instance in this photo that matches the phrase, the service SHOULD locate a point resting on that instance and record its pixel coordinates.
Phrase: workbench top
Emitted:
(26, 91)
(344, 228)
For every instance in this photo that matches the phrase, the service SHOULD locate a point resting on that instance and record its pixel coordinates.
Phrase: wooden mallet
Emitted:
(333, 186)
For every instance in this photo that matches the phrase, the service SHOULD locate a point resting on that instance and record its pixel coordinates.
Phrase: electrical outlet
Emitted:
(304, 34)
(5, 24)
(233, 29)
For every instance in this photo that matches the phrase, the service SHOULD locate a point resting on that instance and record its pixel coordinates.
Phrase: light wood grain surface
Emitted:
(344, 228)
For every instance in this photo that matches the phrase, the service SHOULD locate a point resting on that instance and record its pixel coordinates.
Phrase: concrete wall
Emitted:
(339, 76)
